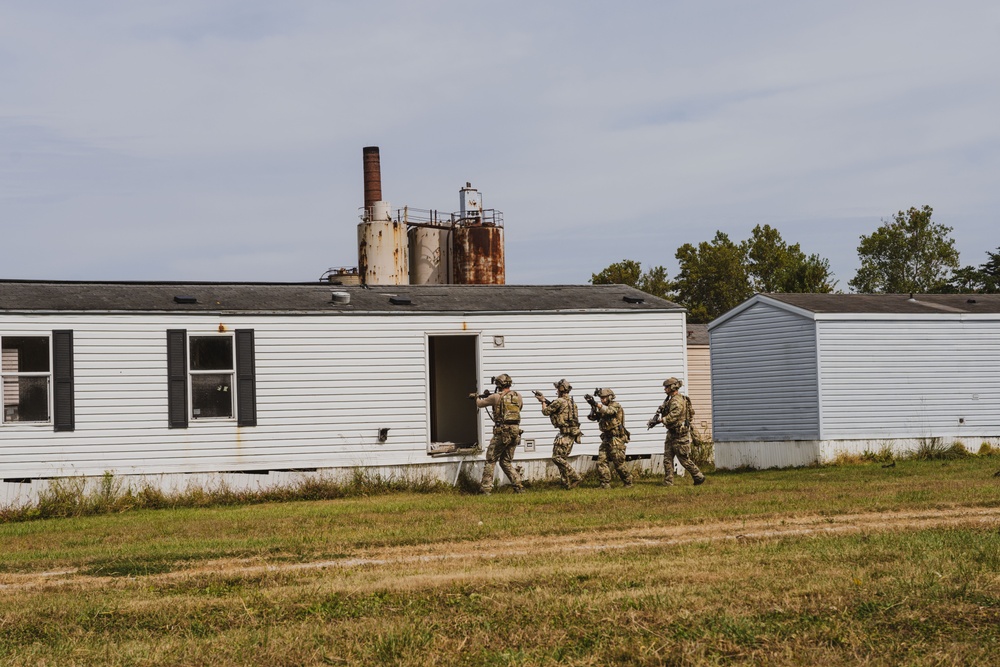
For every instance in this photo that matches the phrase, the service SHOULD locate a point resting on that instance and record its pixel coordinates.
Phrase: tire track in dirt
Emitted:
(594, 541)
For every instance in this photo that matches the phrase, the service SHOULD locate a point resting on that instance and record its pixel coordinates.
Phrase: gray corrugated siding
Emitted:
(910, 378)
(326, 384)
(764, 378)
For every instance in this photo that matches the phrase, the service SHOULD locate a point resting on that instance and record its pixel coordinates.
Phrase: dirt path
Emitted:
(654, 536)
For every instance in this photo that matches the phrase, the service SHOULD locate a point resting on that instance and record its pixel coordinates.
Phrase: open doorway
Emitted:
(452, 362)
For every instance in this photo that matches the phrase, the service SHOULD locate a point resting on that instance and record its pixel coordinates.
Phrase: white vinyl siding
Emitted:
(327, 384)
(764, 377)
(910, 378)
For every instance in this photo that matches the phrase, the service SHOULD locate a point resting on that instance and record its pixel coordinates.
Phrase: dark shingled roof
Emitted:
(16, 295)
(892, 303)
(697, 334)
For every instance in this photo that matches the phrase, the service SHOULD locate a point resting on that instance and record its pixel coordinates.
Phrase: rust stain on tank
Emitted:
(479, 255)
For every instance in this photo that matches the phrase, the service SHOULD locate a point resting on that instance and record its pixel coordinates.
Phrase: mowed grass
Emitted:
(235, 585)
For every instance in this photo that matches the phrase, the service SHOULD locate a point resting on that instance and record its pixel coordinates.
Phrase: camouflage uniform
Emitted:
(614, 437)
(676, 416)
(506, 437)
(563, 414)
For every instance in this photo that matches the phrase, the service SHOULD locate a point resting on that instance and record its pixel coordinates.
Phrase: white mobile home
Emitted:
(800, 378)
(263, 381)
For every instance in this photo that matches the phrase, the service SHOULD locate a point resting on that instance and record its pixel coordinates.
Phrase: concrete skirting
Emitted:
(798, 453)
(27, 492)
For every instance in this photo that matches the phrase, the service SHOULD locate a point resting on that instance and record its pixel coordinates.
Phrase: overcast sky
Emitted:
(221, 140)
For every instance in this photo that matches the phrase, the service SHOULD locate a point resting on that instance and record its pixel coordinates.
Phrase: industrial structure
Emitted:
(424, 246)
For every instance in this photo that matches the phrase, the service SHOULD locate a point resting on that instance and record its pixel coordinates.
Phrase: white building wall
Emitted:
(910, 378)
(764, 379)
(325, 385)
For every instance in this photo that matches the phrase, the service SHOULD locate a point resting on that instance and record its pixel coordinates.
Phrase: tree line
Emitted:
(909, 253)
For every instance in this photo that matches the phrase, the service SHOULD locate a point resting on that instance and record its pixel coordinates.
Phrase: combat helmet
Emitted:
(503, 380)
(672, 383)
(606, 393)
(563, 385)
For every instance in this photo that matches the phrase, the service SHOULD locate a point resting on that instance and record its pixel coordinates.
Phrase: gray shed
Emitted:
(799, 378)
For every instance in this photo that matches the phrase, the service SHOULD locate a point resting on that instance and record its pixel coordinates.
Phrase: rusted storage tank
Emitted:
(430, 255)
(477, 251)
(382, 257)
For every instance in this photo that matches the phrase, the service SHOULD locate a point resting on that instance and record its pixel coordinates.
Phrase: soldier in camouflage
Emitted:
(563, 414)
(676, 414)
(506, 404)
(610, 417)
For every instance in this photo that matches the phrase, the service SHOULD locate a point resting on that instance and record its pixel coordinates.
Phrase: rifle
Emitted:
(593, 405)
(486, 394)
(545, 401)
(655, 419)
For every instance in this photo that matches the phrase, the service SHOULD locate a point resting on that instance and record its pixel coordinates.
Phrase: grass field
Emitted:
(854, 564)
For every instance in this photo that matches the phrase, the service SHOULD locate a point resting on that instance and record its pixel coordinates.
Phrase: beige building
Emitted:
(699, 387)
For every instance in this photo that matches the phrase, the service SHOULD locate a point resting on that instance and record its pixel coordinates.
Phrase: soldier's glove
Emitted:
(473, 396)
(589, 399)
(651, 423)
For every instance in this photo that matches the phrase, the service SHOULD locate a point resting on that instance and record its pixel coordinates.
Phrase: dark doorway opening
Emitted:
(453, 371)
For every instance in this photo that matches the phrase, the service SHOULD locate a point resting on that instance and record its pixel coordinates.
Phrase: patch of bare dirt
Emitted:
(655, 536)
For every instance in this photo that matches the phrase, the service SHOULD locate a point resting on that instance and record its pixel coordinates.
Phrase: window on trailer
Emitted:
(26, 371)
(212, 364)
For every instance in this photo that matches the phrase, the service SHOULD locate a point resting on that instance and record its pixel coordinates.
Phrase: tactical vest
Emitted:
(614, 423)
(509, 408)
(567, 417)
(688, 416)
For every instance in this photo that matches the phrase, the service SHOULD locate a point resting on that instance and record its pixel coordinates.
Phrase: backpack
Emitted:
(574, 414)
(690, 412)
(509, 408)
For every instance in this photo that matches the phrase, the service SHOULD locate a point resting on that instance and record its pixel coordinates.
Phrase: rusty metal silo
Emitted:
(382, 243)
(477, 244)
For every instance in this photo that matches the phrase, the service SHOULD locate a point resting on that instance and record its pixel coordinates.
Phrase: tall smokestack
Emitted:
(373, 176)
(382, 248)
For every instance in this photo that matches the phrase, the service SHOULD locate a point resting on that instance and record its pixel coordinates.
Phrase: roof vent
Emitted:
(633, 299)
(400, 301)
(340, 298)
(185, 299)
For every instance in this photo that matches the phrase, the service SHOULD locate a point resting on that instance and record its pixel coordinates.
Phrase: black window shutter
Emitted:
(63, 408)
(177, 409)
(246, 379)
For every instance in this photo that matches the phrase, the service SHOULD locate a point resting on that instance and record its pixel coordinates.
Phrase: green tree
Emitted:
(909, 253)
(713, 277)
(775, 266)
(655, 281)
(982, 280)
(718, 275)
(625, 272)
